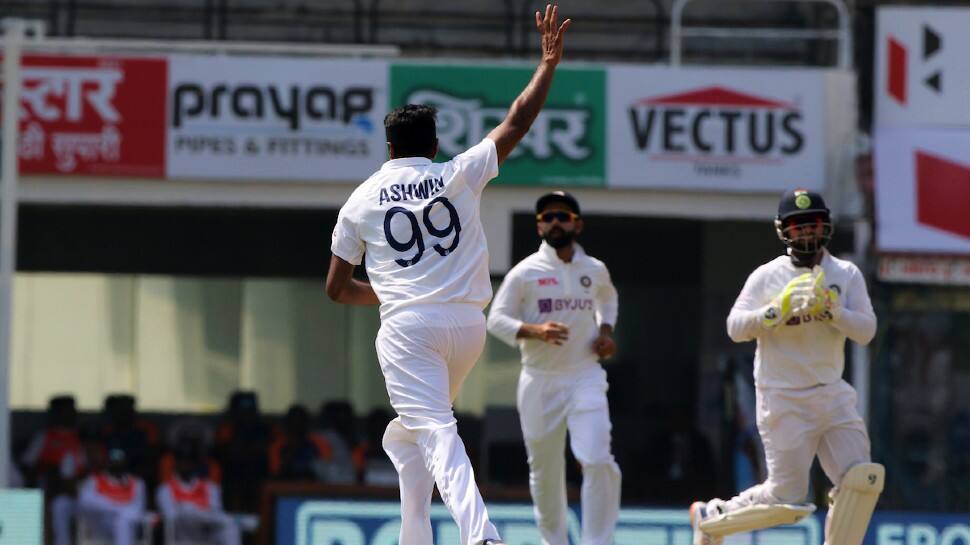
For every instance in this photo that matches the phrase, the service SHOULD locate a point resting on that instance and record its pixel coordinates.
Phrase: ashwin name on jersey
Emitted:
(424, 189)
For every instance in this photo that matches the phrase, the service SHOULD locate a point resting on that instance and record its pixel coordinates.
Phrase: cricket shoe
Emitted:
(698, 511)
(493, 542)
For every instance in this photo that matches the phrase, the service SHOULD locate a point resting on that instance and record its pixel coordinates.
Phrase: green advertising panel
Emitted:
(566, 145)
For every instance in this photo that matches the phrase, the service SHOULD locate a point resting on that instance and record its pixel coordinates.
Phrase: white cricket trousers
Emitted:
(795, 426)
(550, 404)
(223, 527)
(62, 508)
(425, 352)
(122, 523)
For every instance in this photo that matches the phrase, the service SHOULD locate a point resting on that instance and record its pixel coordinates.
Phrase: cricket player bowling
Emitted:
(418, 223)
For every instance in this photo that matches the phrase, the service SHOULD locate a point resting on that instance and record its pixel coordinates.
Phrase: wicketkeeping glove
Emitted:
(828, 299)
(810, 300)
(795, 292)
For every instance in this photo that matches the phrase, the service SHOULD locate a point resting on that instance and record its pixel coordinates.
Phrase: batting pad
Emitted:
(854, 503)
(755, 517)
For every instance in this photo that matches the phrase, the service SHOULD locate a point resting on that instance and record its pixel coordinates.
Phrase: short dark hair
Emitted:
(411, 130)
(557, 196)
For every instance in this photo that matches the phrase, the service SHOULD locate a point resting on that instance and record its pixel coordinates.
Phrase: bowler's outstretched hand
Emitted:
(552, 33)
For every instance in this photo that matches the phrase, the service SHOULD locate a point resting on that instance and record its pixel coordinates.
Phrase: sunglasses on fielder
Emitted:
(561, 215)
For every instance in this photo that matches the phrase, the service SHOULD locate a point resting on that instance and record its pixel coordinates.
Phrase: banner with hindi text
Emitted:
(94, 115)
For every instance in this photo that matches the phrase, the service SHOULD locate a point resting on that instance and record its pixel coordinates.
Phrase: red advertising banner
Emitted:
(84, 115)
(922, 190)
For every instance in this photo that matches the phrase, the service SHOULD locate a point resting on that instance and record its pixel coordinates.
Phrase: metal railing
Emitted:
(491, 29)
(841, 34)
(527, 23)
(36, 38)
(635, 31)
(217, 47)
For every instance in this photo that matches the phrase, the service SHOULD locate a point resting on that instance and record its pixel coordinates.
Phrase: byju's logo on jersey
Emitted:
(566, 303)
(824, 316)
(716, 123)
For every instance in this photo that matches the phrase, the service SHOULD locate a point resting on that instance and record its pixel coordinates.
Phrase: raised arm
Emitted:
(527, 105)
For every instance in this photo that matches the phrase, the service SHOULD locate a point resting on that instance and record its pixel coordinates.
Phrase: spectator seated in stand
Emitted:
(125, 429)
(48, 448)
(191, 503)
(49, 465)
(75, 467)
(91, 458)
(195, 432)
(298, 453)
(241, 447)
(189, 426)
(112, 502)
(338, 425)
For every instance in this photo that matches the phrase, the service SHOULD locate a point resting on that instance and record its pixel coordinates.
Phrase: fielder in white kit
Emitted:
(801, 307)
(418, 224)
(559, 305)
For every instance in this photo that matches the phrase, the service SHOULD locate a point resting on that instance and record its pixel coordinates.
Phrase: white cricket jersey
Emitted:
(543, 288)
(804, 351)
(418, 223)
(103, 492)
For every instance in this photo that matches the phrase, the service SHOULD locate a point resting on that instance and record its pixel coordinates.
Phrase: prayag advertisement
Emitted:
(265, 118)
(564, 147)
(88, 115)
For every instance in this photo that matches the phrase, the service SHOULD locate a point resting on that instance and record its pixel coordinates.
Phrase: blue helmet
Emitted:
(797, 208)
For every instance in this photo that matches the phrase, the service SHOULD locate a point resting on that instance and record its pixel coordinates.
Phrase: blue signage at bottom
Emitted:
(302, 521)
(918, 529)
(309, 521)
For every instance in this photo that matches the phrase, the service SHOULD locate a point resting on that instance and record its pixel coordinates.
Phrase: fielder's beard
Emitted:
(803, 259)
(558, 237)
